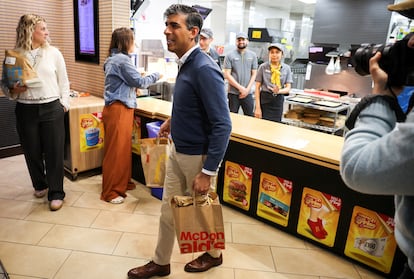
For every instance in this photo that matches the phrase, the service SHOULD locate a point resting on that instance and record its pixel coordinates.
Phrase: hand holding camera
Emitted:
(396, 60)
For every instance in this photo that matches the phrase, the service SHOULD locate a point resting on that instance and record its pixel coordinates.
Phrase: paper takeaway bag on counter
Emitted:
(154, 154)
(198, 227)
(18, 69)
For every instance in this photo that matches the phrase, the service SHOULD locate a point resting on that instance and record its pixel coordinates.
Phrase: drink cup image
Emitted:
(92, 136)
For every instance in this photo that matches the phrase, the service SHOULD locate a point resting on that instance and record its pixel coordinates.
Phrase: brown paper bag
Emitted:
(136, 135)
(200, 227)
(18, 69)
(154, 154)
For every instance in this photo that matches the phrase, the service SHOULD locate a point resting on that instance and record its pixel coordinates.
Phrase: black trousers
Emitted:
(42, 135)
(247, 104)
(271, 106)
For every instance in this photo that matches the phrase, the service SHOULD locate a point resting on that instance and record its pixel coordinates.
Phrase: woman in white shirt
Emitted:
(40, 109)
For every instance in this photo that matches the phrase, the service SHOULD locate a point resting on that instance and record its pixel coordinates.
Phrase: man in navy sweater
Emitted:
(200, 128)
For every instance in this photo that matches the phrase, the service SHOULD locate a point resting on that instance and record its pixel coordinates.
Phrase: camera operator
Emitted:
(378, 154)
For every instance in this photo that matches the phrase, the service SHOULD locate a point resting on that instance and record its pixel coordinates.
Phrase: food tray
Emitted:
(327, 104)
(301, 99)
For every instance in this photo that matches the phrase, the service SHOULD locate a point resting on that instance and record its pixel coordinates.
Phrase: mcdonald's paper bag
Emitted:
(154, 153)
(198, 227)
(18, 69)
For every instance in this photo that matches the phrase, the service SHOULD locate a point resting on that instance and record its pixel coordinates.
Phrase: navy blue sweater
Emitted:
(200, 119)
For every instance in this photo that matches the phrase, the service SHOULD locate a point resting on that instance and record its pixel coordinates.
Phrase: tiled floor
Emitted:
(89, 238)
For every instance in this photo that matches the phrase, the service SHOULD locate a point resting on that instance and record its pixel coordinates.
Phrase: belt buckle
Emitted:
(274, 94)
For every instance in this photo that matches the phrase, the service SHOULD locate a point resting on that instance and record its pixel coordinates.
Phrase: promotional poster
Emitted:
(91, 131)
(319, 216)
(274, 199)
(237, 185)
(371, 239)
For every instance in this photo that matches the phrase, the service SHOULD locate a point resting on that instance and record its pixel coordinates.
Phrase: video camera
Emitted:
(397, 60)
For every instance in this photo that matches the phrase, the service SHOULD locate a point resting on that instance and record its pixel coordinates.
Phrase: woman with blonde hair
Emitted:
(40, 109)
(121, 79)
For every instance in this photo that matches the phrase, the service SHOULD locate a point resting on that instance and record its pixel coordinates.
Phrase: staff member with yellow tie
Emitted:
(273, 81)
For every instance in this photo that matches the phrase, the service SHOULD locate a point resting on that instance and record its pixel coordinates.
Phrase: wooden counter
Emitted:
(312, 146)
(153, 108)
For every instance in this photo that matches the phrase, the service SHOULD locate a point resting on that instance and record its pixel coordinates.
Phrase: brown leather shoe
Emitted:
(149, 270)
(203, 263)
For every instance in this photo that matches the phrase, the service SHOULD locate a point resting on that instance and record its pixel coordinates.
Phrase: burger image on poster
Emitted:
(237, 190)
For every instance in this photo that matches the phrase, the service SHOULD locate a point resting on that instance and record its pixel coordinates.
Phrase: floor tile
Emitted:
(96, 266)
(67, 215)
(234, 216)
(253, 257)
(177, 272)
(16, 209)
(23, 232)
(261, 234)
(35, 261)
(249, 274)
(119, 221)
(367, 274)
(136, 245)
(92, 200)
(148, 206)
(312, 262)
(8, 192)
(81, 239)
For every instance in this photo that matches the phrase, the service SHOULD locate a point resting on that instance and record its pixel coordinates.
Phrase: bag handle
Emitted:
(162, 140)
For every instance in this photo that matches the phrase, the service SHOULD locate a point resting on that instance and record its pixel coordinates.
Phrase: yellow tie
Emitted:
(275, 79)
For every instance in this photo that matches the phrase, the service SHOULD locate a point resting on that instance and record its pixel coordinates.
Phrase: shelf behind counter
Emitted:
(281, 174)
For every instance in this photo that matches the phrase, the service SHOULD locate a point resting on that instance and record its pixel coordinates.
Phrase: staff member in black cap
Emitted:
(273, 81)
(206, 37)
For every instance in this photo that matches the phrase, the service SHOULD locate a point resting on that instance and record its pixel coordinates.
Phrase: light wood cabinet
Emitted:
(77, 158)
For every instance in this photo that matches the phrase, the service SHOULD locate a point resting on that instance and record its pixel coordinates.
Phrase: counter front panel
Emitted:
(288, 193)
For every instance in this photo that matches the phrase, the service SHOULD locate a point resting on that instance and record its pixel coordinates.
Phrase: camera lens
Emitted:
(362, 56)
(396, 60)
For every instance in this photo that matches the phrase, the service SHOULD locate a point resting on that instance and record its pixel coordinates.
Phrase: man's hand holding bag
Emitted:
(199, 225)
